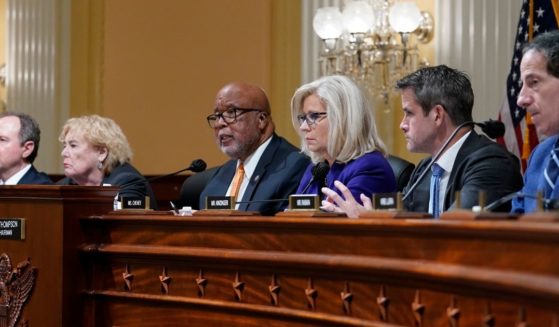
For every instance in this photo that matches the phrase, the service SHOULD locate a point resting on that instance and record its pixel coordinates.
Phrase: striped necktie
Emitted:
(438, 172)
(551, 172)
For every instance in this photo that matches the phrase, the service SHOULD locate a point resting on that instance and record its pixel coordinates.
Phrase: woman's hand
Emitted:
(348, 205)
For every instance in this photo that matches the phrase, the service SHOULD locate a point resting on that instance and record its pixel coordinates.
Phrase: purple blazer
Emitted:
(368, 174)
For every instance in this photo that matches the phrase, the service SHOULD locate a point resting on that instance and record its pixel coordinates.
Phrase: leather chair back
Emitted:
(193, 186)
(402, 170)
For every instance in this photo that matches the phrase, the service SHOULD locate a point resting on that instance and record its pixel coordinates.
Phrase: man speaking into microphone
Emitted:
(437, 104)
(263, 165)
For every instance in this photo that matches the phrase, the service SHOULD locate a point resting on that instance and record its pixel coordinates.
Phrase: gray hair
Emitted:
(548, 45)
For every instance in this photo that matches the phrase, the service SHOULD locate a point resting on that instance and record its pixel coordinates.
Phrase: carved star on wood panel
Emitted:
(165, 280)
(382, 302)
(201, 282)
(522, 318)
(418, 309)
(347, 297)
(274, 289)
(311, 294)
(489, 318)
(238, 287)
(128, 278)
(453, 312)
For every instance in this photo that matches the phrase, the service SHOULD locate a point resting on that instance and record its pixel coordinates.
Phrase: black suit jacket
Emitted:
(276, 176)
(32, 176)
(480, 164)
(132, 184)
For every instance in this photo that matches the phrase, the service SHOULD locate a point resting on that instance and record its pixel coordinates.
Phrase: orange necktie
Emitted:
(237, 180)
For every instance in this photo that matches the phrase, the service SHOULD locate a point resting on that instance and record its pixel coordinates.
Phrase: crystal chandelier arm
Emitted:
(425, 31)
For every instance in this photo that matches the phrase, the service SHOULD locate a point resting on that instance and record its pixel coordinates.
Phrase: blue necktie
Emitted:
(438, 172)
(551, 172)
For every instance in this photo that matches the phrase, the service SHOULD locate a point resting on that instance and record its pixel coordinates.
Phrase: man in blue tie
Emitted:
(539, 96)
(437, 104)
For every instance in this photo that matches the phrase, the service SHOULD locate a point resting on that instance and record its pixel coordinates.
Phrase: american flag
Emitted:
(536, 16)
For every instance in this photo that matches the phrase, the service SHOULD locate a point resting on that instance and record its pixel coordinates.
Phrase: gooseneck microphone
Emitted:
(196, 166)
(435, 158)
(492, 128)
(503, 200)
(319, 172)
(548, 204)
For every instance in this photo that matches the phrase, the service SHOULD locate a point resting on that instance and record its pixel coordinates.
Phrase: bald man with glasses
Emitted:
(263, 165)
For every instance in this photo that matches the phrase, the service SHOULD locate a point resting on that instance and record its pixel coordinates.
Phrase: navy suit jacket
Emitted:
(480, 165)
(534, 179)
(276, 176)
(371, 173)
(132, 184)
(32, 176)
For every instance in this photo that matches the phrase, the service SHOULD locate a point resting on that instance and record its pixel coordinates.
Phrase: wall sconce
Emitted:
(374, 42)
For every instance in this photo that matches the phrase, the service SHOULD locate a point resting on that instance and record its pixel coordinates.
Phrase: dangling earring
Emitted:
(100, 165)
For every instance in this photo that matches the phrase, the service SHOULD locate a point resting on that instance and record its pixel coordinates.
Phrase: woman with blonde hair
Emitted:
(96, 152)
(337, 126)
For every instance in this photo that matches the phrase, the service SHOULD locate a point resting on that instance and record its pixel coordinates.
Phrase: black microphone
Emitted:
(435, 158)
(196, 166)
(491, 206)
(492, 128)
(548, 204)
(319, 172)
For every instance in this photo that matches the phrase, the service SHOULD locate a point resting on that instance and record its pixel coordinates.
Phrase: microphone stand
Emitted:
(435, 158)
(155, 178)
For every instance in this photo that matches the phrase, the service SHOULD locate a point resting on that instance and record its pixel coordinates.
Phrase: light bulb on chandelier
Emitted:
(374, 42)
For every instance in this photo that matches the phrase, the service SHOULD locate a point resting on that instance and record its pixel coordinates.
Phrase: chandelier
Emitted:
(374, 42)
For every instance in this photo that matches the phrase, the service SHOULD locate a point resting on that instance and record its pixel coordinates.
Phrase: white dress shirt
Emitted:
(14, 179)
(446, 161)
(250, 166)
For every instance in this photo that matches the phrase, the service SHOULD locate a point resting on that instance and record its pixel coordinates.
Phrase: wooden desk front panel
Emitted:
(53, 235)
(458, 271)
(512, 245)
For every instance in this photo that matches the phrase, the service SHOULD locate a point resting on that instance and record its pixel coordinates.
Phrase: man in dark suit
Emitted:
(437, 103)
(19, 144)
(263, 165)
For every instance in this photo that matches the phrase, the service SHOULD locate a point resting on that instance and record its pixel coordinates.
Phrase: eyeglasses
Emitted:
(311, 118)
(229, 116)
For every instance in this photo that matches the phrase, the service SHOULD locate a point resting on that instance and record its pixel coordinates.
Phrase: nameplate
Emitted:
(12, 228)
(304, 202)
(134, 202)
(220, 203)
(386, 201)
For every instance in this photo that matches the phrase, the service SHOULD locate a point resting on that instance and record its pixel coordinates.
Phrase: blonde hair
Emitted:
(101, 132)
(352, 131)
